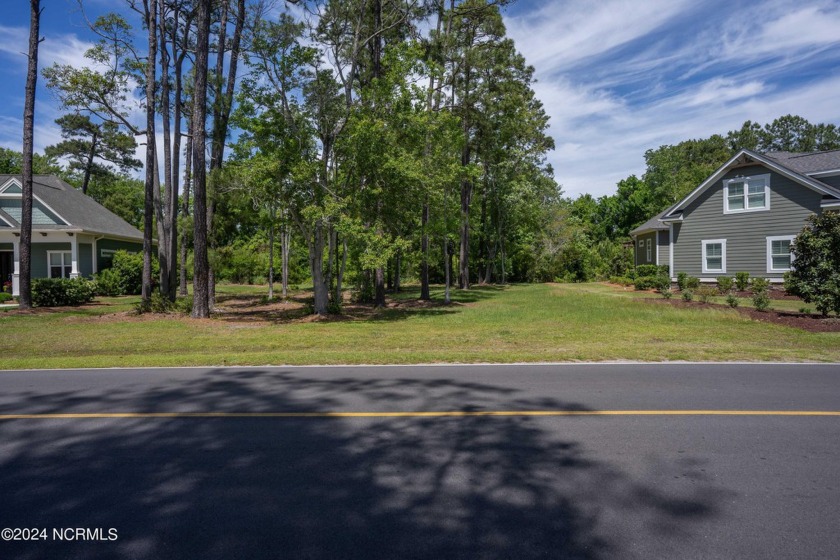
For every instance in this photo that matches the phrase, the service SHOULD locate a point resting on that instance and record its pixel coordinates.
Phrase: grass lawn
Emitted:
(542, 322)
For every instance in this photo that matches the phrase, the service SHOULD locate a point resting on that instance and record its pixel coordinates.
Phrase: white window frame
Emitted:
(745, 181)
(770, 240)
(63, 263)
(722, 243)
(649, 252)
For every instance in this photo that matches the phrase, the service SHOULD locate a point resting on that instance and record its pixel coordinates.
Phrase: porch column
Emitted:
(16, 274)
(74, 256)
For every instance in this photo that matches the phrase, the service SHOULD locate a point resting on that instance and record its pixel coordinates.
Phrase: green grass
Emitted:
(487, 324)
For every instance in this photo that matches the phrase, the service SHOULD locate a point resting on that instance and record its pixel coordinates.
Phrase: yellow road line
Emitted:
(416, 414)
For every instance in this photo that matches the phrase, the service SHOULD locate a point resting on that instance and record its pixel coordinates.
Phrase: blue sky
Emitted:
(617, 77)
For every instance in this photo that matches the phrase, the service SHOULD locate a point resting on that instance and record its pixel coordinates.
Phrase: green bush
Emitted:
(651, 270)
(109, 283)
(57, 292)
(129, 267)
(705, 293)
(816, 274)
(761, 300)
(621, 280)
(160, 304)
(4, 297)
(692, 283)
(759, 285)
(724, 284)
(732, 301)
(667, 293)
(652, 282)
(742, 280)
(687, 295)
(682, 280)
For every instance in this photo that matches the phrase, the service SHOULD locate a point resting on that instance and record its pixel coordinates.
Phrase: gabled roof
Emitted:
(746, 157)
(79, 211)
(654, 224)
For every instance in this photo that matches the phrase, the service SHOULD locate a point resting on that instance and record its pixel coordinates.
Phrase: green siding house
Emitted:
(72, 234)
(743, 217)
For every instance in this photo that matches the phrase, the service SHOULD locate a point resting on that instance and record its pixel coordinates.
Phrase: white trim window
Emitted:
(714, 256)
(649, 250)
(59, 264)
(746, 194)
(779, 255)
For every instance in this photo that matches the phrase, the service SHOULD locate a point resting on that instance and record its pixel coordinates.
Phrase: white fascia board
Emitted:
(828, 173)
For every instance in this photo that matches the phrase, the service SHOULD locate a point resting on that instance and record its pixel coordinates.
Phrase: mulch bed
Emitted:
(811, 322)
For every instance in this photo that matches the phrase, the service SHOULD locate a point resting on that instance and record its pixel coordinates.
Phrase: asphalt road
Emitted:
(624, 486)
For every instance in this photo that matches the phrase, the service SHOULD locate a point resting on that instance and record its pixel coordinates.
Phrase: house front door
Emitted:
(7, 268)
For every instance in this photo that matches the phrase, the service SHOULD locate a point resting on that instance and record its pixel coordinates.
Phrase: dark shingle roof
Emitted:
(810, 162)
(79, 210)
(651, 225)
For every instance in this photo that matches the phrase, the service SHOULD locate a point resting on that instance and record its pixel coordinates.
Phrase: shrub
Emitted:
(687, 295)
(652, 282)
(4, 297)
(109, 283)
(816, 276)
(129, 267)
(158, 303)
(732, 301)
(724, 284)
(651, 270)
(57, 292)
(184, 304)
(704, 293)
(692, 283)
(621, 280)
(742, 280)
(761, 300)
(682, 280)
(667, 293)
(759, 285)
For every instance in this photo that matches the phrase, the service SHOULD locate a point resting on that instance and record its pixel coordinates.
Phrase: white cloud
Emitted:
(608, 105)
(560, 34)
(61, 48)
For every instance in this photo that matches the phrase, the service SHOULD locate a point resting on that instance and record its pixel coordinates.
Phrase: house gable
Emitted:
(705, 218)
(747, 159)
(11, 195)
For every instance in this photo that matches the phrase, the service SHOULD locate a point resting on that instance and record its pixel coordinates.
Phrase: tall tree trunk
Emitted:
(151, 159)
(185, 210)
(286, 237)
(424, 249)
(316, 257)
(89, 164)
(447, 264)
(25, 254)
(397, 266)
(201, 295)
(340, 276)
(179, 54)
(221, 111)
(425, 292)
(166, 244)
(271, 252)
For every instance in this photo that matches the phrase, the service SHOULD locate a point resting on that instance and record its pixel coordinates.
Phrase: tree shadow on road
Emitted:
(470, 487)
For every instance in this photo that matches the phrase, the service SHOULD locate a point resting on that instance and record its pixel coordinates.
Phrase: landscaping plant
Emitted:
(724, 284)
(816, 274)
(742, 280)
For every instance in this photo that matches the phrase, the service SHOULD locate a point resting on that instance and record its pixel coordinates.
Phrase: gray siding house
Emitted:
(743, 217)
(72, 234)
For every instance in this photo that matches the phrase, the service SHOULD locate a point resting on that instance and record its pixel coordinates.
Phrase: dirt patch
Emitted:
(806, 321)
